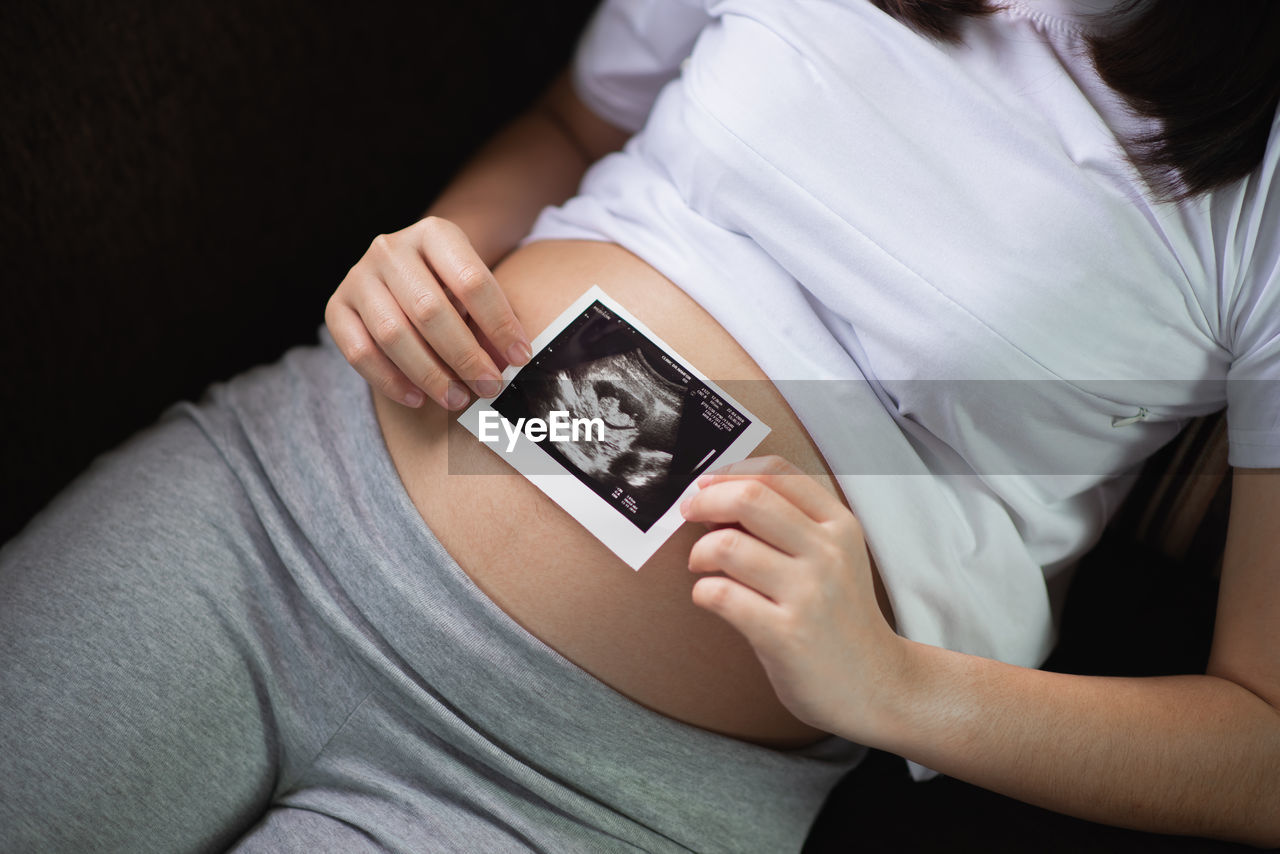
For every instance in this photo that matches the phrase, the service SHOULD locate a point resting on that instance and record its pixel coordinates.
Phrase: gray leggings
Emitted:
(236, 632)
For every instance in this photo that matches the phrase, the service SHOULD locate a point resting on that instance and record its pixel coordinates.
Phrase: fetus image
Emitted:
(661, 425)
(641, 413)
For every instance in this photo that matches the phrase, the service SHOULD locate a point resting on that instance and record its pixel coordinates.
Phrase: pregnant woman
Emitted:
(972, 265)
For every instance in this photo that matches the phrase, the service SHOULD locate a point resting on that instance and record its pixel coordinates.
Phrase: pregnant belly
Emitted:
(638, 632)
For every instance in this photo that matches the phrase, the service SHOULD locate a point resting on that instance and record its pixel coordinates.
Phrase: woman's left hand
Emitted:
(798, 584)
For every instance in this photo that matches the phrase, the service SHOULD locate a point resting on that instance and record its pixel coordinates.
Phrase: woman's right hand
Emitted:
(400, 317)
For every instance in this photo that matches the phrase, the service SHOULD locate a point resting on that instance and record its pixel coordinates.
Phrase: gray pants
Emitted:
(236, 632)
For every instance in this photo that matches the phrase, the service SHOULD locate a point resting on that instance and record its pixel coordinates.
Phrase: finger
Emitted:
(742, 557)
(801, 489)
(397, 338)
(446, 248)
(461, 309)
(755, 506)
(746, 610)
(427, 305)
(498, 359)
(357, 346)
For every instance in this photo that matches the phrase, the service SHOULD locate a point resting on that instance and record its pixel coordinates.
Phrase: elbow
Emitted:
(1258, 766)
(1263, 820)
(1261, 828)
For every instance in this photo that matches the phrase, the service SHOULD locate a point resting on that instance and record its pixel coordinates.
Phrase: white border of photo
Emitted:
(601, 519)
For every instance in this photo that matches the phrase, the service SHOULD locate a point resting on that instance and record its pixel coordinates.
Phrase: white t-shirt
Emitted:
(942, 257)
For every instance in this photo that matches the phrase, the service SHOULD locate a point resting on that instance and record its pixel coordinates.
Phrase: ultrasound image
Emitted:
(662, 425)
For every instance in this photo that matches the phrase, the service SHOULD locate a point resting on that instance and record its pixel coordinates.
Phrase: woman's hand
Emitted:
(798, 584)
(400, 317)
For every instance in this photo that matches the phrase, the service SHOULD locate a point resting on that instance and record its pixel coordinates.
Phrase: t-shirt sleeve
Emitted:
(629, 50)
(1253, 316)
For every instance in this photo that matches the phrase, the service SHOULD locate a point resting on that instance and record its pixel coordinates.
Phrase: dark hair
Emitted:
(1208, 72)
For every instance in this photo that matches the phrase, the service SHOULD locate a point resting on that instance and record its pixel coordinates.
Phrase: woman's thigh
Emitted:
(134, 675)
(236, 630)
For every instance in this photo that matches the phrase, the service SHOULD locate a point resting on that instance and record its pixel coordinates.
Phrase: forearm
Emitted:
(1197, 755)
(536, 160)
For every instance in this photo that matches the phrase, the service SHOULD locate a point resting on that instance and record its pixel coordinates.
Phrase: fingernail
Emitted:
(488, 385)
(413, 399)
(704, 479)
(457, 397)
(684, 506)
(519, 353)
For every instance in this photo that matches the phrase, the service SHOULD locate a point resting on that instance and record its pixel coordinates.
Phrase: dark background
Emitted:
(184, 184)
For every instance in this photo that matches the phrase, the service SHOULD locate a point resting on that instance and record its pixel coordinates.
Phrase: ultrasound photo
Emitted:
(606, 401)
(662, 426)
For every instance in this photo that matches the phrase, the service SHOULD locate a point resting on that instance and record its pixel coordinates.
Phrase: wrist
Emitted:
(897, 707)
